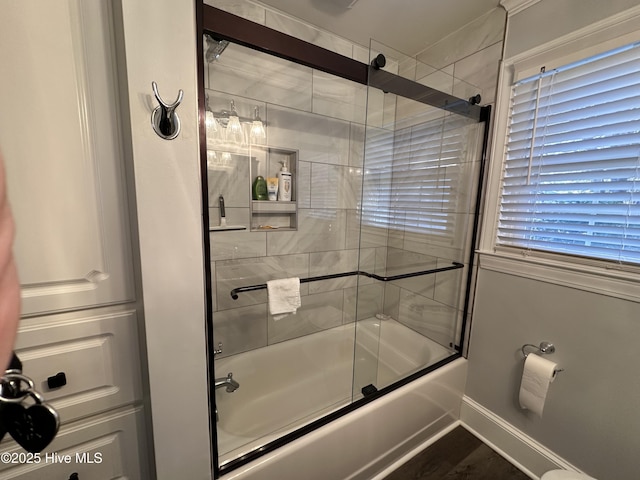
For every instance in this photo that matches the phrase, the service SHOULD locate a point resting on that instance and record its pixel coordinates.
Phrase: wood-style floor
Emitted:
(457, 456)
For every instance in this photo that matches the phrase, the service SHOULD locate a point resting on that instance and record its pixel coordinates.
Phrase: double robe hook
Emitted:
(164, 119)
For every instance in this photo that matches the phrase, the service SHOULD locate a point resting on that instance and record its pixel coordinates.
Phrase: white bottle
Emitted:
(285, 183)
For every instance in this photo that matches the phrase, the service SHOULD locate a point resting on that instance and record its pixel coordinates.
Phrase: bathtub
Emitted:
(289, 384)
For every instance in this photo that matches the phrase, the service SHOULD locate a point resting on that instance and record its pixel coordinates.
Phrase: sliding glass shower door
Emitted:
(420, 176)
(289, 370)
(376, 228)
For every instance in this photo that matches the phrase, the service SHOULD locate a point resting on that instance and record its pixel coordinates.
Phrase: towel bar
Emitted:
(454, 266)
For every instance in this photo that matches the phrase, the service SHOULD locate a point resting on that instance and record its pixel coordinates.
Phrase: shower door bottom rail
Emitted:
(262, 286)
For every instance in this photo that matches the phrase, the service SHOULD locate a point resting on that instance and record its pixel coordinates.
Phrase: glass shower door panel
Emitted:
(294, 369)
(419, 181)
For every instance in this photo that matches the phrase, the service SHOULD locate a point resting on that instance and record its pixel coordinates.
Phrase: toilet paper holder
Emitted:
(545, 348)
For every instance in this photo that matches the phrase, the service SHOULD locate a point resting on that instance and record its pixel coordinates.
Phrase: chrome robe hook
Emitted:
(164, 119)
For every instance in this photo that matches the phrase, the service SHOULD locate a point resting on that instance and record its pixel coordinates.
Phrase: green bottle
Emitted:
(260, 188)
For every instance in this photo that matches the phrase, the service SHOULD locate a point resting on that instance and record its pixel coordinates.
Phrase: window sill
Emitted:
(600, 280)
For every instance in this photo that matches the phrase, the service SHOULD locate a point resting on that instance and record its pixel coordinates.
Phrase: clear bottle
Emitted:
(285, 183)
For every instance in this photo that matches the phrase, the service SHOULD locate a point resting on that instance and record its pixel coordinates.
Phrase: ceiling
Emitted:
(408, 26)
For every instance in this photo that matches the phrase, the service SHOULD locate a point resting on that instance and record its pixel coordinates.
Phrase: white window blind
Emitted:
(412, 176)
(571, 181)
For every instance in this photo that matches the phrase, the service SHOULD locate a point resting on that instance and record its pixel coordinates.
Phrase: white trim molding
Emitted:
(607, 34)
(521, 450)
(515, 6)
(612, 282)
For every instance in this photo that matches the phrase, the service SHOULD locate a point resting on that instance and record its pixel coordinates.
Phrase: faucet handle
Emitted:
(232, 385)
(219, 350)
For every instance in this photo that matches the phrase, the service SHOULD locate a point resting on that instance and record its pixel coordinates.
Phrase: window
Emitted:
(571, 179)
(413, 177)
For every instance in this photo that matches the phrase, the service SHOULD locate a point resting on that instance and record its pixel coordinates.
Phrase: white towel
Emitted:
(284, 297)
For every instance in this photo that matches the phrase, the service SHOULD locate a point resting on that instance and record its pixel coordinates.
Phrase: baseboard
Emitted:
(515, 446)
(408, 456)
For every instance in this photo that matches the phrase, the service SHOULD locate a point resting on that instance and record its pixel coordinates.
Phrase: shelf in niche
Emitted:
(243, 164)
(265, 161)
(272, 228)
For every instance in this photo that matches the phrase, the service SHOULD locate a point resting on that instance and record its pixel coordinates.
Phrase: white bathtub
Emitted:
(289, 384)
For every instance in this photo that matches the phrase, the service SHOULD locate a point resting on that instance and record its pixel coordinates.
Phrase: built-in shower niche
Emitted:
(231, 173)
(267, 215)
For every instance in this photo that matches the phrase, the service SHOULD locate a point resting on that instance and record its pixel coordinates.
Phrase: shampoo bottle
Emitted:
(259, 188)
(285, 183)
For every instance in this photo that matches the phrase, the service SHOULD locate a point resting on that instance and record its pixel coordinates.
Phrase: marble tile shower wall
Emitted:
(471, 56)
(323, 118)
(433, 304)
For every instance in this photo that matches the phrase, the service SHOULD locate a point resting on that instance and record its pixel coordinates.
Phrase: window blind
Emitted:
(412, 175)
(571, 180)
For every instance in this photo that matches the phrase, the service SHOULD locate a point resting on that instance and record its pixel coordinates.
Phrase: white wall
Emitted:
(546, 21)
(589, 418)
(160, 45)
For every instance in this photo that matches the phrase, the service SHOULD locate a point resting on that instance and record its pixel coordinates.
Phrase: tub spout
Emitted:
(228, 382)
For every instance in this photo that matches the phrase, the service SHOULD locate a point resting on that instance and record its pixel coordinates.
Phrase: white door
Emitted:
(63, 154)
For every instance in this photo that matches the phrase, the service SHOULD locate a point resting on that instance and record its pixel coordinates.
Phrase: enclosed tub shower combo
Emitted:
(357, 174)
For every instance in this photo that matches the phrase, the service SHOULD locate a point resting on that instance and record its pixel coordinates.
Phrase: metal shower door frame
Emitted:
(226, 26)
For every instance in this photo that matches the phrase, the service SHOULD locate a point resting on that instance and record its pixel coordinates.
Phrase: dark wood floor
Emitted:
(457, 456)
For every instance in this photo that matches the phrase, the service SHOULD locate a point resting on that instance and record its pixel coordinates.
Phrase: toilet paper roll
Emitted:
(537, 375)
